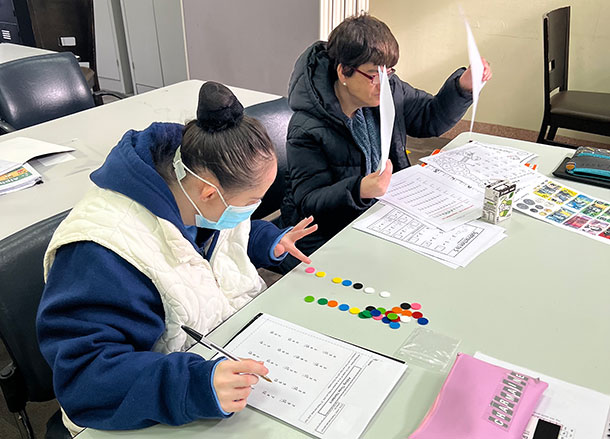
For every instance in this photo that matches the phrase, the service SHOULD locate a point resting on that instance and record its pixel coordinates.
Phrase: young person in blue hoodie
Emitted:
(164, 239)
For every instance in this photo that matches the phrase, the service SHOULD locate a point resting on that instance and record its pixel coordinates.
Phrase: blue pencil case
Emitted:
(590, 162)
(587, 165)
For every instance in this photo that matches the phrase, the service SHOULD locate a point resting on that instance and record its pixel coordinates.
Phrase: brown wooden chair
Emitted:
(575, 110)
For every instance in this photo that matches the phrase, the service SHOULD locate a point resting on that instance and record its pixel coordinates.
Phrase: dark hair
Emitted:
(361, 39)
(222, 141)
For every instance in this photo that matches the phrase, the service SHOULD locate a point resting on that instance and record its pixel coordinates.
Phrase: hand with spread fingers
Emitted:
(287, 243)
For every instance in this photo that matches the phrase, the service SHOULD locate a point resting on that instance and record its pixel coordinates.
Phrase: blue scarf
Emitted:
(366, 134)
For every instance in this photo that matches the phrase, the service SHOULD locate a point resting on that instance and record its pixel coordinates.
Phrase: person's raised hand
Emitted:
(287, 243)
(232, 381)
(376, 184)
(466, 78)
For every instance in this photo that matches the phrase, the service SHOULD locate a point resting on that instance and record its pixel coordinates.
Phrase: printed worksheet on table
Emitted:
(435, 197)
(319, 384)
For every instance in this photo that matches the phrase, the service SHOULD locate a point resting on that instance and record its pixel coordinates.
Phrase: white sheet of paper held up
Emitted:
(476, 69)
(386, 116)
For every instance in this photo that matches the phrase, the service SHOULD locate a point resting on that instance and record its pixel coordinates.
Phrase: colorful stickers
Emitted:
(566, 207)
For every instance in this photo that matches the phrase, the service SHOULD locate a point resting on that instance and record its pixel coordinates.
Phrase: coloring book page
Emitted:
(478, 164)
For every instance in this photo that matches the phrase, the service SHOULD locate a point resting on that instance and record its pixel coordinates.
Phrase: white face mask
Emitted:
(232, 215)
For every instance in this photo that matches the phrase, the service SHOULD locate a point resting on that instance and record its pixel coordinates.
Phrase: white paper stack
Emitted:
(455, 248)
(15, 172)
(17, 178)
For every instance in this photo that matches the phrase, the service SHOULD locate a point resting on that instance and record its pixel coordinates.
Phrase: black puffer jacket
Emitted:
(325, 165)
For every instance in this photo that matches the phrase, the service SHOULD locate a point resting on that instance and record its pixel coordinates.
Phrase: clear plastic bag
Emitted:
(429, 349)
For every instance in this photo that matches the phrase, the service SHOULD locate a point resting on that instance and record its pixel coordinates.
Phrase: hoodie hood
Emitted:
(130, 170)
(311, 88)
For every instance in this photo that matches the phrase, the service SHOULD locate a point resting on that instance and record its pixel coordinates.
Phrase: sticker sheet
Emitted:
(553, 203)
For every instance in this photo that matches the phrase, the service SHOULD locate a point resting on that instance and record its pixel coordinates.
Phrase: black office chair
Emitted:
(41, 88)
(28, 377)
(274, 115)
(575, 110)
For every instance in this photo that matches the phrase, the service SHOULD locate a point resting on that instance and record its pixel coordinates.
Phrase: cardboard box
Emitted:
(498, 204)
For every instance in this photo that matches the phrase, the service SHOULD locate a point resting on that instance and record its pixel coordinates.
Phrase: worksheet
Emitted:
(456, 248)
(581, 413)
(320, 385)
(567, 208)
(435, 197)
(478, 164)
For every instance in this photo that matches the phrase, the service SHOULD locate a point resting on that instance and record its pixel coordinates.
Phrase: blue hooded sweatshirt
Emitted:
(99, 316)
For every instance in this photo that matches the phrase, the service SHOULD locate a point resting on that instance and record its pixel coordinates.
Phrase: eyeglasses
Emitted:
(375, 78)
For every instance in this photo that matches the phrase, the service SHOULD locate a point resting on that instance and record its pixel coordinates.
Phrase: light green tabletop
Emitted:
(538, 298)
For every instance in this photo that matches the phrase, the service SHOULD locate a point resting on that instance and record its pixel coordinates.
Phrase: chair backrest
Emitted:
(41, 88)
(556, 34)
(65, 25)
(274, 115)
(21, 286)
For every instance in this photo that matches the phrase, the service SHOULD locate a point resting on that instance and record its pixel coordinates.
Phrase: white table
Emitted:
(538, 299)
(11, 52)
(94, 133)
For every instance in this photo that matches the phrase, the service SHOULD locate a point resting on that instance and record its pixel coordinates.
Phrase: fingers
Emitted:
(295, 235)
(234, 406)
(248, 366)
(298, 254)
(388, 168)
(279, 250)
(233, 380)
(303, 223)
(487, 73)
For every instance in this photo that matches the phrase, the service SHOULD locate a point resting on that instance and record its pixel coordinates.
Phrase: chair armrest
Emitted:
(97, 95)
(13, 388)
(6, 127)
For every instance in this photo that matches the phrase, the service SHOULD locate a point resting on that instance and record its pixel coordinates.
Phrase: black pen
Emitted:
(199, 338)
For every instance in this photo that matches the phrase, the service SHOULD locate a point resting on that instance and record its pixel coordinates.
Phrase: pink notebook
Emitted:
(481, 401)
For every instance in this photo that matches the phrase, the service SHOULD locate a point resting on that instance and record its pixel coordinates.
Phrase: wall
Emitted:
(509, 34)
(250, 44)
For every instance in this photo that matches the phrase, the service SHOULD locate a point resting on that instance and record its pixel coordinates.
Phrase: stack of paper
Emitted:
(16, 178)
(15, 173)
(433, 210)
(455, 248)
(435, 197)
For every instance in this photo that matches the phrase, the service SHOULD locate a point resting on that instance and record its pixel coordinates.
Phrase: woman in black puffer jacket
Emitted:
(333, 146)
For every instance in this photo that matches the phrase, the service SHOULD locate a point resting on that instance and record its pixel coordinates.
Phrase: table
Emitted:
(537, 299)
(11, 52)
(94, 133)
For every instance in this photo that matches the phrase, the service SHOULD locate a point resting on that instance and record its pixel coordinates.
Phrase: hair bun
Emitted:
(218, 108)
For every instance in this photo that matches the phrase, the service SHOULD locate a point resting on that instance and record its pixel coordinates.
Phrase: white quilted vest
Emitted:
(194, 292)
